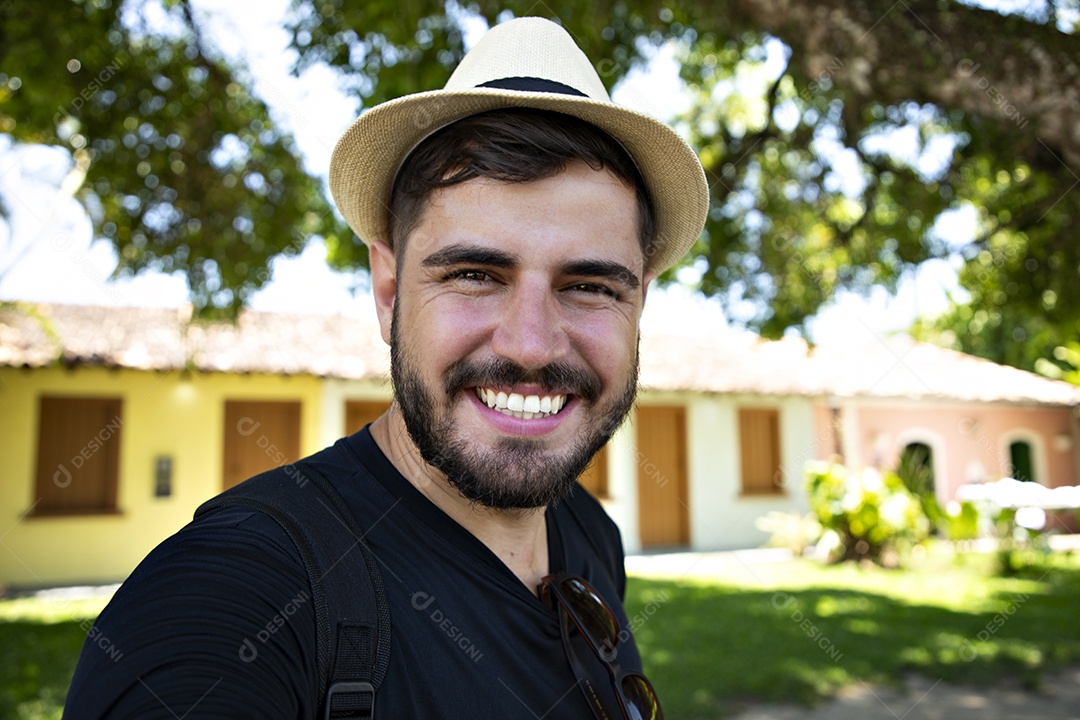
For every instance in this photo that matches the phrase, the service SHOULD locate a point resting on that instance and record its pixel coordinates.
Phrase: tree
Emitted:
(179, 166)
(1066, 368)
(830, 170)
(985, 103)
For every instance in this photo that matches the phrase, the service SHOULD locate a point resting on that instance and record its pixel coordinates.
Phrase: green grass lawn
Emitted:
(40, 641)
(797, 632)
(778, 632)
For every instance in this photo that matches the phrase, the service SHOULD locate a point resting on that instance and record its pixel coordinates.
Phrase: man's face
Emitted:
(514, 331)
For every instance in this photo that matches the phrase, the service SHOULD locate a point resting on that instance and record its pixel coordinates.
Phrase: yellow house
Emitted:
(116, 423)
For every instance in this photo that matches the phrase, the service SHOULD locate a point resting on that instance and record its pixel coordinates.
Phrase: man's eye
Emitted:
(593, 289)
(469, 275)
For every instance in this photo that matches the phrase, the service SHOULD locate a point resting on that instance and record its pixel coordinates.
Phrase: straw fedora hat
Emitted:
(527, 62)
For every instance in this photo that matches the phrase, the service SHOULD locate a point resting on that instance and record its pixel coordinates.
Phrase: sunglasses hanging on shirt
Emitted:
(582, 605)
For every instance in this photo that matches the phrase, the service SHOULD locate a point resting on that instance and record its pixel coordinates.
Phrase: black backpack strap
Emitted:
(352, 616)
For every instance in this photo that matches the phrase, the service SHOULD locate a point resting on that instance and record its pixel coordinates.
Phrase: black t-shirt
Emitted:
(217, 620)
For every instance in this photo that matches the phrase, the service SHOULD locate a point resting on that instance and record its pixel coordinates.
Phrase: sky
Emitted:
(58, 262)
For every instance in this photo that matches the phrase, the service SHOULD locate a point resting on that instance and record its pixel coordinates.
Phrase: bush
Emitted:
(869, 515)
(1020, 544)
(961, 521)
(918, 477)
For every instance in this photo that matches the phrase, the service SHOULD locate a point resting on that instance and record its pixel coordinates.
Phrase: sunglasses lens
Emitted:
(592, 611)
(640, 698)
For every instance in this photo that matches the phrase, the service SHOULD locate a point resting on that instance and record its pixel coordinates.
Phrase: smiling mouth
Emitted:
(523, 407)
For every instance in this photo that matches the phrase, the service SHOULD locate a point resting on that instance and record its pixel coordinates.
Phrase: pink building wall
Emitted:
(970, 442)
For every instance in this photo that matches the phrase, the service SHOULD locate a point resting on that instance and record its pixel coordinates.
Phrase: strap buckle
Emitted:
(351, 688)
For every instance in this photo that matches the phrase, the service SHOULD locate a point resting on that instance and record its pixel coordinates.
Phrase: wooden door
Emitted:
(595, 477)
(259, 435)
(359, 413)
(663, 497)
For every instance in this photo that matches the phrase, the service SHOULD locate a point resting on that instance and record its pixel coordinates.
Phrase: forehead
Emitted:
(578, 213)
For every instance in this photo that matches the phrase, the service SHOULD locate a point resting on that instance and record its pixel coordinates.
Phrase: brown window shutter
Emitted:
(759, 445)
(78, 462)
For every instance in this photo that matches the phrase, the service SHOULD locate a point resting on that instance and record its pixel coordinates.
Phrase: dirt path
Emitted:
(923, 699)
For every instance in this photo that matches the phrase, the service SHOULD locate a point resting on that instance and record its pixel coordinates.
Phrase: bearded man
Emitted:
(515, 219)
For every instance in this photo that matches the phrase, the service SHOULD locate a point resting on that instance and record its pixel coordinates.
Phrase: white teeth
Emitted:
(525, 407)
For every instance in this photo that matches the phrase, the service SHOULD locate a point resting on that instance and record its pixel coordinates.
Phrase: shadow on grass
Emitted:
(709, 649)
(37, 660)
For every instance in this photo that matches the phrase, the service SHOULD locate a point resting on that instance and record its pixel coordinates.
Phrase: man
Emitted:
(515, 219)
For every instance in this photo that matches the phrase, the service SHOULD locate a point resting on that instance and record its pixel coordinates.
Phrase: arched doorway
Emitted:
(1022, 461)
(916, 468)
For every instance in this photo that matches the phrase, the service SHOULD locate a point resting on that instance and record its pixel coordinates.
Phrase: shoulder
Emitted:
(217, 614)
(587, 527)
(586, 510)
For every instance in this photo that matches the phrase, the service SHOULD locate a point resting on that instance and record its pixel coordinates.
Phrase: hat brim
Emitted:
(367, 157)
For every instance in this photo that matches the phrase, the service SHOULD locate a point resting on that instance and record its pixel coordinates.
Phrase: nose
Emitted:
(531, 331)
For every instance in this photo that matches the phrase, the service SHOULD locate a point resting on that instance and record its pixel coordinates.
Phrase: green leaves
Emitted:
(872, 515)
(834, 137)
(184, 169)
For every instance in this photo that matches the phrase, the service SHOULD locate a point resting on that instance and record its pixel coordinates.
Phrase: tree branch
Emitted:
(1005, 68)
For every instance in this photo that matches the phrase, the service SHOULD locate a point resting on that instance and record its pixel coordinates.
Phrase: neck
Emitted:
(517, 537)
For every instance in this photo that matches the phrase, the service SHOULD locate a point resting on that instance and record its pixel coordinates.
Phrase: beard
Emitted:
(518, 474)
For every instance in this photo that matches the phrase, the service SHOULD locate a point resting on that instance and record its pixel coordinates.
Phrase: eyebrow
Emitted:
(470, 254)
(473, 255)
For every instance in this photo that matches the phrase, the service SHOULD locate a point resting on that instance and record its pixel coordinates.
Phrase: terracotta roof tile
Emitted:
(892, 367)
(164, 339)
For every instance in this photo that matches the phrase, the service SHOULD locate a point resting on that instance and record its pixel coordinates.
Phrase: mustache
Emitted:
(554, 377)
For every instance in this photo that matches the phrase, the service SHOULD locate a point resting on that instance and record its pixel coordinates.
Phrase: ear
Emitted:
(383, 284)
(650, 275)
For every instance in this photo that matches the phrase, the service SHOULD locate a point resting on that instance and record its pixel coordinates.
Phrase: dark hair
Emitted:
(509, 145)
